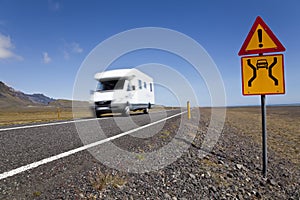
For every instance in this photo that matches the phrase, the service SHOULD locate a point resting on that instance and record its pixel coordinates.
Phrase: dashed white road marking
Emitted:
(73, 151)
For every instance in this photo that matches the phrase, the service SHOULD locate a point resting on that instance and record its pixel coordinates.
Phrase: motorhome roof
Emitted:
(118, 73)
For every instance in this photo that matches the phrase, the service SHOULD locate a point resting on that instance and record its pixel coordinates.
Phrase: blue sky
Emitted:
(44, 42)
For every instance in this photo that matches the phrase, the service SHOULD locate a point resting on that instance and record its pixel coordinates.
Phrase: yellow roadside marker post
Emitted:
(58, 113)
(189, 110)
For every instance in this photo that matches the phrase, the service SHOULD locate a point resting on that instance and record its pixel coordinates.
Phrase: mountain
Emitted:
(9, 97)
(40, 98)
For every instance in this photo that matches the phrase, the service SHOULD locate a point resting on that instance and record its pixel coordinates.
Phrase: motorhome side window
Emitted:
(140, 85)
(145, 85)
(150, 87)
(110, 85)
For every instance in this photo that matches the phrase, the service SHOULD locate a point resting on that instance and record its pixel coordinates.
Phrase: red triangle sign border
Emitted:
(257, 22)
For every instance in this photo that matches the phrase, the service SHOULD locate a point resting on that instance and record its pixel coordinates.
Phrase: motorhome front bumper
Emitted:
(103, 106)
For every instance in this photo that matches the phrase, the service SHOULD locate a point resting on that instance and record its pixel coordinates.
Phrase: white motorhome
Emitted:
(122, 91)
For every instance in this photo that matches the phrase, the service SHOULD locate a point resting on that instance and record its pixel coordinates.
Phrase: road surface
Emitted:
(28, 154)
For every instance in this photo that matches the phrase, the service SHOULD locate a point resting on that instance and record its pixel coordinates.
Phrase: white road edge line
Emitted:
(73, 151)
(54, 123)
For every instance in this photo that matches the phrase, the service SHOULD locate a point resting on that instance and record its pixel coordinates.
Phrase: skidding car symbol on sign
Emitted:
(263, 74)
(262, 63)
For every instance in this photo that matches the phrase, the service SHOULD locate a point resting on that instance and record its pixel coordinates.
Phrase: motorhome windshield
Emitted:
(110, 85)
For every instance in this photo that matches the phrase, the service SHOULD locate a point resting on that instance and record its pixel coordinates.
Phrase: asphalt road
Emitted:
(22, 146)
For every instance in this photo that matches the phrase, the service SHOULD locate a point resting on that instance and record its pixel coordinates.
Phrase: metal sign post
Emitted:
(264, 134)
(261, 74)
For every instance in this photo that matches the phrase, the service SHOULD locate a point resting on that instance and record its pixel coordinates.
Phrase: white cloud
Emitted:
(70, 49)
(54, 5)
(76, 48)
(6, 48)
(46, 58)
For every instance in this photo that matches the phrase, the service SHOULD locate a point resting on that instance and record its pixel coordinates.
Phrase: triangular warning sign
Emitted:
(260, 39)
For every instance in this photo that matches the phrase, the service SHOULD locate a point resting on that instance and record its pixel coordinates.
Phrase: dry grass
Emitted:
(165, 134)
(140, 156)
(101, 181)
(39, 114)
(37, 193)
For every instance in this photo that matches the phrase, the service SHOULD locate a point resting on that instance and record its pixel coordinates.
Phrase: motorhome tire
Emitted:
(146, 110)
(98, 115)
